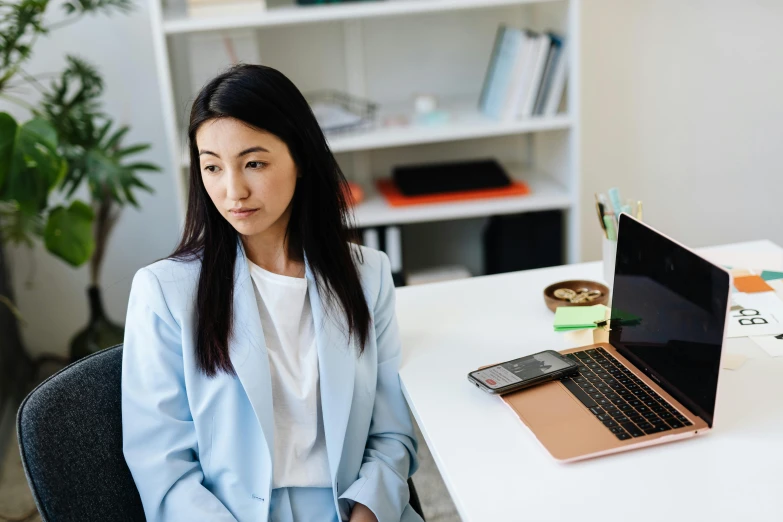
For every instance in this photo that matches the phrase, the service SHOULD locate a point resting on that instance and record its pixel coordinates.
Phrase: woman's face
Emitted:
(248, 169)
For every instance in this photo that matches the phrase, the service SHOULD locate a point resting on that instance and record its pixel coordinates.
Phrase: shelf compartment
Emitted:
(545, 194)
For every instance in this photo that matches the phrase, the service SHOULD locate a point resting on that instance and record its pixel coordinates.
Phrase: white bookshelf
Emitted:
(387, 51)
(296, 15)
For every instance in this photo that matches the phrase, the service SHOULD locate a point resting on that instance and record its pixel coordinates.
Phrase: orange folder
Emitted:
(396, 199)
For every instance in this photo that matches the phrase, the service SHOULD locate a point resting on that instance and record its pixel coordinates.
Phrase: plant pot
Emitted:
(99, 333)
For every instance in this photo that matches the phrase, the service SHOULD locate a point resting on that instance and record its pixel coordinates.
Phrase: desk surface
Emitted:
(495, 469)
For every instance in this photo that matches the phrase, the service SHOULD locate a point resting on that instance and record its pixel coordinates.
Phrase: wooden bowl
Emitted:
(553, 302)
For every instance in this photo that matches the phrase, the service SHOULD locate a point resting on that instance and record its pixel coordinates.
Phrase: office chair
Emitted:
(70, 438)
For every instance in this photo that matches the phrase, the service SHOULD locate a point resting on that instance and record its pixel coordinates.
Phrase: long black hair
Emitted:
(320, 222)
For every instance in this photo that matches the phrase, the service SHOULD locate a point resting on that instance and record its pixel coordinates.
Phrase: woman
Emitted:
(260, 369)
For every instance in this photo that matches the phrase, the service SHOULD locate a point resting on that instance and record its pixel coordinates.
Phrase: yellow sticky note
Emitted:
(578, 317)
(733, 361)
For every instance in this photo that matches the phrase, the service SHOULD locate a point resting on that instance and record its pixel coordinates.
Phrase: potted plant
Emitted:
(67, 142)
(96, 157)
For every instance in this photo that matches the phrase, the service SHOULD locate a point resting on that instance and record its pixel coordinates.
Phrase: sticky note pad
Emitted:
(578, 317)
(752, 284)
(733, 361)
(766, 275)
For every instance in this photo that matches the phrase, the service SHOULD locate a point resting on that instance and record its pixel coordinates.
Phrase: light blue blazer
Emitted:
(201, 448)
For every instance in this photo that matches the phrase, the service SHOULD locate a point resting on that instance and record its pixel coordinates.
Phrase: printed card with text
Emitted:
(755, 314)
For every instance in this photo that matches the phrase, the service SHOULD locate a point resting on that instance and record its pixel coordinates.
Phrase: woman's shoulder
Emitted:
(175, 269)
(370, 262)
(169, 276)
(374, 269)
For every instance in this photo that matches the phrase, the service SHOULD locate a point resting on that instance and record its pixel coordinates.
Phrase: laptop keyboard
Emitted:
(618, 398)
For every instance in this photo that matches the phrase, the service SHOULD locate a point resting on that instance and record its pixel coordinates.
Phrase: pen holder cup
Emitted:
(609, 255)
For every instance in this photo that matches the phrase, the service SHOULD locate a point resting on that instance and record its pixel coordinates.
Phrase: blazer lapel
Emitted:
(248, 350)
(336, 369)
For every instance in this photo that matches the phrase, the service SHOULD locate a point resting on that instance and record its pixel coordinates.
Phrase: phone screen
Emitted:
(519, 370)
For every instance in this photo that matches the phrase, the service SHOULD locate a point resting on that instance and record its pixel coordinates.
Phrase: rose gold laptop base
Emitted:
(570, 431)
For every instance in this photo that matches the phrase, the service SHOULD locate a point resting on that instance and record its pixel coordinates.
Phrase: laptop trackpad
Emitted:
(560, 422)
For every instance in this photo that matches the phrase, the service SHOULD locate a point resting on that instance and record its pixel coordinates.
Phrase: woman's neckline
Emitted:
(291, 280)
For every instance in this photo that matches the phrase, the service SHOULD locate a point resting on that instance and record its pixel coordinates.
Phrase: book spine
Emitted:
(485, 89)
(527, 73)
(558, 83)
(546, 79)
(517, 83)
(539, 61)
(502, 76)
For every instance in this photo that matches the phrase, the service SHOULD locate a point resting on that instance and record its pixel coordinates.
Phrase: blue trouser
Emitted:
(302, 505)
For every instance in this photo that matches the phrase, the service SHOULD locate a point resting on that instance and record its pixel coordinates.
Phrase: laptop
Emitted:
(656, 379)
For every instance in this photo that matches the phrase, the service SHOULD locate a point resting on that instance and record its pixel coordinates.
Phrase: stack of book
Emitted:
(526, 74)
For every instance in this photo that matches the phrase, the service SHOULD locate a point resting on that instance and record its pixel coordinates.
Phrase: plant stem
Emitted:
(36, 78)
(14, 310)
(17, 101)
(32, 80)
(63, 23)
(104, 222)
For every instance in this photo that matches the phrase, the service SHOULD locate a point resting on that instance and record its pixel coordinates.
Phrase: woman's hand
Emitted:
(362, 513)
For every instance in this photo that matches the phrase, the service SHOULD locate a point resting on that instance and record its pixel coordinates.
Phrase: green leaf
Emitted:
(103, 131)
(42, 131)
(8, 128)
(134, 149)
(68, 233)
(114, 141)
(143, 166)
(36, 166)
(94, 6)
(18, 226)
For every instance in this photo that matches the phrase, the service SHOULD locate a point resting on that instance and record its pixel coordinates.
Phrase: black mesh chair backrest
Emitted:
(70, 437)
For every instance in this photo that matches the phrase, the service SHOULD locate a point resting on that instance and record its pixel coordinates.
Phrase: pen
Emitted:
(614, 197)
(600, 209)
(610, 228)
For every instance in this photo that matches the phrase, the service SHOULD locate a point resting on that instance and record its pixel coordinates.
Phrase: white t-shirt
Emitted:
(300, 458)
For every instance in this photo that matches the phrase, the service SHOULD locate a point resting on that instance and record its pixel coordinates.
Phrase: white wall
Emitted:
(682, 107)
(56, 305)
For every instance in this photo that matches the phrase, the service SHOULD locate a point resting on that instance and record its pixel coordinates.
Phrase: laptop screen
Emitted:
(669, 311)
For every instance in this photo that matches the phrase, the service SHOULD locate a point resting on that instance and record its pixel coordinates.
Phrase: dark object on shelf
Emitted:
(99, 333)
(438, 178)
(523, 241)
(338, 111)
(391, 193)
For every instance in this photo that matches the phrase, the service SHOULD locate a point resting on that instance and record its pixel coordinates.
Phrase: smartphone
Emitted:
(523, 372)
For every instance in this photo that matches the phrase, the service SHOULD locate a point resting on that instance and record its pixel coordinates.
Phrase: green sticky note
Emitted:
(578, 317)
(766, 275)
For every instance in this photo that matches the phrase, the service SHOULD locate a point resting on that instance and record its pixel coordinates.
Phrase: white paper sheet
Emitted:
(770, 344)
(756, 260)
(777, 285)
(761, 314)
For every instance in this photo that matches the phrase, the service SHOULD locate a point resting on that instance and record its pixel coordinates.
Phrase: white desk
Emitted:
(495, 469)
